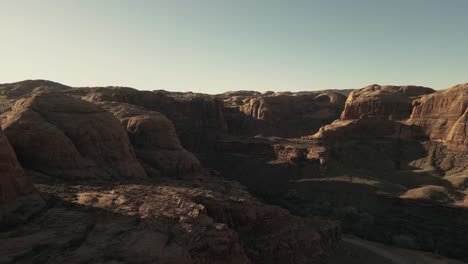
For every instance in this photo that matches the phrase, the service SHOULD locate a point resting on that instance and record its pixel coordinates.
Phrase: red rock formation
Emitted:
(367, 129)
(66, 137)
(23, 88)
(198, 120)
(154, 139)
(205, 220)
(16, 189)
(282, 115)
(385, 102)
(444, 115)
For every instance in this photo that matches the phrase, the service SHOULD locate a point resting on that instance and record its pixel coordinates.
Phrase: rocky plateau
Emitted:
(118, 175)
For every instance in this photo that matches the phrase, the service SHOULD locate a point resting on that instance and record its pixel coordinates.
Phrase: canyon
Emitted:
(118, 175)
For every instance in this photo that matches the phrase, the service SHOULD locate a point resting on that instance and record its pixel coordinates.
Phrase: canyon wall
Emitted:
(444, 116)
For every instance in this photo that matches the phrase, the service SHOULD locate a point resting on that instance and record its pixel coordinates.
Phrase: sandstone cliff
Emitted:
(375, 101)
(66, 137)
(368, 129)
(16, 189)
(444, 115)
(282, 115)
(198, 120)
(97, 212)
(155, 140)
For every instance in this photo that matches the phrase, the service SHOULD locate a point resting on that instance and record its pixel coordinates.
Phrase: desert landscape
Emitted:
(233, 132)
(118, 175)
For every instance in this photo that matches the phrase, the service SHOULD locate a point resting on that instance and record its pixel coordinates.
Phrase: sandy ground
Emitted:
(353, 250)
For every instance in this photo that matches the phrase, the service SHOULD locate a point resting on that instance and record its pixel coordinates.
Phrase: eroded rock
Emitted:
(18, 197)
(198, 120)
(444, 116)
(385, 102)
(66, 137)
(154, 139)
(283, 115)
(204, 221)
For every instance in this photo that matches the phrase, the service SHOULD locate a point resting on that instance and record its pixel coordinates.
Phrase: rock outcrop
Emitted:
(10, 92)
(16, 189)
(198, 119)
(66, 137)
(368, 129)
(202, 221)
(97, 212)
(282, 115)
(444, 116)
(20, 89)
(384, 176)
(155, 140)
(385, 102)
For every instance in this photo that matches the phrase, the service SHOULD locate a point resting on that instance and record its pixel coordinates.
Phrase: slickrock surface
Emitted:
(444, 115)
(203, 221)
(155, 140)
(394, 102)
(66, 137)
(16, 189)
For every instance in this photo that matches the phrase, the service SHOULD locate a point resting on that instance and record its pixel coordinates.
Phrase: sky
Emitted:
(212, 46)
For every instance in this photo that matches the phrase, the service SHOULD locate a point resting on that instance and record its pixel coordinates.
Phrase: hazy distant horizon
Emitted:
(211, 47)
(225, 91)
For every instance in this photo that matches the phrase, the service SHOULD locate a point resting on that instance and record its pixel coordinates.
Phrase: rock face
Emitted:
(375, 101)
(368, 129)
(66, 137)
(16, 189)
(98, 213)
(444, 115)
(374, 169)
(282, 115)
(23, 88)
(203, 221)
(155, 140)
(11, 92)
(365, 169)
(198, 120)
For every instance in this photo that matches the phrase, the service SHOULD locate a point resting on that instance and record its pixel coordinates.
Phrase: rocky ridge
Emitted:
(120, 188)
(387, 102)
(283, 115)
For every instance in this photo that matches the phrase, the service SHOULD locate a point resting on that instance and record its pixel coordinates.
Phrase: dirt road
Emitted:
(354, 250)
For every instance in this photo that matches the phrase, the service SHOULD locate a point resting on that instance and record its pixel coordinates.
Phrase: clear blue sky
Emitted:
(218, 45)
